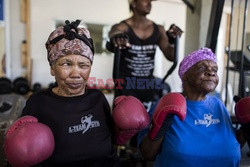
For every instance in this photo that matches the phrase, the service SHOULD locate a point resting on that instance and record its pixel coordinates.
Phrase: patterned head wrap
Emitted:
(69, 39)
(195, 57)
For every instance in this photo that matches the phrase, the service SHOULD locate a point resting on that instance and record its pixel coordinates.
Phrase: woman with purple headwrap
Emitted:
(206, 137)
(79, 118)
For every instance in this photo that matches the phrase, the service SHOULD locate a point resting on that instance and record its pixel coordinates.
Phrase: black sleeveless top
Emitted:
(138, 61)
(137, 66)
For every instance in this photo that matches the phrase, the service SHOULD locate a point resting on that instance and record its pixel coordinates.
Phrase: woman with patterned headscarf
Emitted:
(79, 118)
(70, 125)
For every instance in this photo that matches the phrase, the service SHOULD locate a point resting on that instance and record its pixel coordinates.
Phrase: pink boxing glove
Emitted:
(28, 142)
(168, 106)
(130, 116)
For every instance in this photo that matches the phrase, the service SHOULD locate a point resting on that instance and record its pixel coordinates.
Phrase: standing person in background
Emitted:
(138, 37)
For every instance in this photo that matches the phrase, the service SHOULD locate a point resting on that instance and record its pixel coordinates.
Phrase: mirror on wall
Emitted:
(99, 34)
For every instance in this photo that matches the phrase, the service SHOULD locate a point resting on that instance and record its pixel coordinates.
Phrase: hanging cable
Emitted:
(229, 49)
(242, 79)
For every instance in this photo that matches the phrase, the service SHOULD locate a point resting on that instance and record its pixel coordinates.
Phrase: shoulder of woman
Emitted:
(122, 26)
(214, 98)
(95, 91)
(39, 93)
(161, 28)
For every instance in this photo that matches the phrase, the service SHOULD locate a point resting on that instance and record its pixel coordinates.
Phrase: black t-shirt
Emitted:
(82, 127)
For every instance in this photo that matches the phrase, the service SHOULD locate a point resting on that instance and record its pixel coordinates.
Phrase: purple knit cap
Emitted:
(68, 46)
(195, 57)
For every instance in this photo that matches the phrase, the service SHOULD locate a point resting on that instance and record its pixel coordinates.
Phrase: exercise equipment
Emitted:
(36, 87)
(5, 85)
(21, 86)
(237, 57)
(52, 84)
(242, 78)
(214, 23)
(11, 106)
(129, 156)
(166, 88)
(157, 94)
(241, 64)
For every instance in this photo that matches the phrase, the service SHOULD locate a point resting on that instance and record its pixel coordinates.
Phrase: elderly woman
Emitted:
(206, 137)
(79, 118)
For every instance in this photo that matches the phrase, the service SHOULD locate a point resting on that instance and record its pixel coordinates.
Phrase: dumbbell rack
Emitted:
(3, 162)
(8, 115)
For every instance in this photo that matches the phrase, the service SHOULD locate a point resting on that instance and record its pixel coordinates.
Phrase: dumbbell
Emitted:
(52, 84)
(5, 85)
(5, 106)
(36, 87)
(21, 85)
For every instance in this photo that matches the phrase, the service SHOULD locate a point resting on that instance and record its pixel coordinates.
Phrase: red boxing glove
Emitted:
(168, 106)
(130, 116)
(242, 110)
(28, 142)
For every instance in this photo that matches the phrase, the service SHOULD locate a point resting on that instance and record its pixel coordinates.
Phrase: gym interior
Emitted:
(222, 25)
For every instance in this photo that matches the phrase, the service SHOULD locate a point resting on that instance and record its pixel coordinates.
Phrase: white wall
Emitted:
(15, 34)
(204, 21)
(43, 18)
(43, 23)
(45, 12)
(169, 15)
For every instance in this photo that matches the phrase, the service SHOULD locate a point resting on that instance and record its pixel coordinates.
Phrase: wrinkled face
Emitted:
(202, 77)
(71, 73)
(142, 6)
